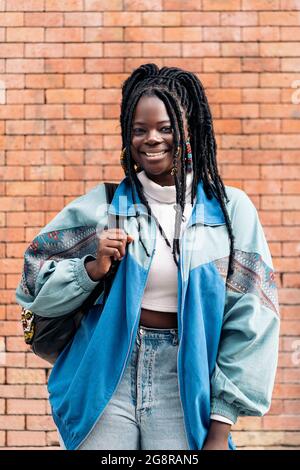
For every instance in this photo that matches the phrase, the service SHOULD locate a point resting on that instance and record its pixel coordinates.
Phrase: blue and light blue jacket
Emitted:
(228, 329)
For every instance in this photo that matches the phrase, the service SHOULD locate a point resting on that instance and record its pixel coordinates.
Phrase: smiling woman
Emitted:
(169, 359)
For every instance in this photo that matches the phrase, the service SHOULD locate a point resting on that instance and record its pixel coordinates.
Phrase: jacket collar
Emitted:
(205, 211)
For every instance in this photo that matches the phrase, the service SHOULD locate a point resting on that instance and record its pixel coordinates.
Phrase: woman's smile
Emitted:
(154, 157)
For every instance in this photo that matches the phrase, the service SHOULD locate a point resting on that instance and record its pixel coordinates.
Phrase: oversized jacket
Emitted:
(228, 328)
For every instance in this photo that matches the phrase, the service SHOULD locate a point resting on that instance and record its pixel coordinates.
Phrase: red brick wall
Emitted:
(61, 66)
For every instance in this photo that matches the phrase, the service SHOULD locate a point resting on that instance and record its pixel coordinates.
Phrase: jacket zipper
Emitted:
(181, 325)
(125, 362)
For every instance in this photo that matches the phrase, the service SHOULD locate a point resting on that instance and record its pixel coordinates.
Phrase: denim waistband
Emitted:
(156, 332)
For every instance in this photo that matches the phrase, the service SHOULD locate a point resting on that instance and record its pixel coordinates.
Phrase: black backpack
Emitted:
(51, 335)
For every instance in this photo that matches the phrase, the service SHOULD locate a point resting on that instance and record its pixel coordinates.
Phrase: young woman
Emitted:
(187, 339)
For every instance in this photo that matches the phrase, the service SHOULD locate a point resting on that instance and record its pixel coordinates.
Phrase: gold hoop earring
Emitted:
(136, 166)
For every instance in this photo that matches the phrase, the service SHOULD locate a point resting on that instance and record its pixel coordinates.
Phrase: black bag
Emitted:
(49, 336)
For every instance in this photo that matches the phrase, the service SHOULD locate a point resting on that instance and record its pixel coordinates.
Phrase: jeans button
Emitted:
(141, 331)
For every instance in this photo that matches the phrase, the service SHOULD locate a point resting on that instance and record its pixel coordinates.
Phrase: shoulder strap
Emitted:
(110, 189)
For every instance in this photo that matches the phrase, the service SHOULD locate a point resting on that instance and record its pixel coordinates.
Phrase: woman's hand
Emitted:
(111, 246)
(217, 437)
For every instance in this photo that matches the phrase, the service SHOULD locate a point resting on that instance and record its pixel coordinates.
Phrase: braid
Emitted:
(177, 88)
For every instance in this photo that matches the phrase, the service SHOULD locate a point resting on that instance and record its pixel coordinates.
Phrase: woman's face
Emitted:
(152, 134)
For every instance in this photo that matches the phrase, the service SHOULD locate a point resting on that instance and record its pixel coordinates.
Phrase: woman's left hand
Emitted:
(217, 437)
(216, 444)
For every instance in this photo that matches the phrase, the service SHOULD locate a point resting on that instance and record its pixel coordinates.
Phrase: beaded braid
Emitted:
(176, 87)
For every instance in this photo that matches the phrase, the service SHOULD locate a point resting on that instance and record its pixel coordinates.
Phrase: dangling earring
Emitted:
(175, 161)
(123, 163)
(122, 160)
(189, 157)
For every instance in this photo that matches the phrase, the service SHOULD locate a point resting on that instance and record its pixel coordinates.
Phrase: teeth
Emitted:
(156, 154)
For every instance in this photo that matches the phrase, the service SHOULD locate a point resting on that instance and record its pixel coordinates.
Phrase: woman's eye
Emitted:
(142, 130)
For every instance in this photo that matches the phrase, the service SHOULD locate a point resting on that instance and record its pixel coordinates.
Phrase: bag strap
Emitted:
(110, 189)
(105, 283)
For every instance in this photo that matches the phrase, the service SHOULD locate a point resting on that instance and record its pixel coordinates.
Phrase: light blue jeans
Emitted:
(145, 411)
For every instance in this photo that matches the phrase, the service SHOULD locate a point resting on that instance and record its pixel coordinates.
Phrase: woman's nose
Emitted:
(152, 137)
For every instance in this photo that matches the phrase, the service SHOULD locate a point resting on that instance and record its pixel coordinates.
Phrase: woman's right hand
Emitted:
(111, 247)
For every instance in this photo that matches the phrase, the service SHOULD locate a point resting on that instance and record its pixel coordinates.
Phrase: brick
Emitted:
(261, 5)
(27, 188)
(64, 5)
(64, 34)
(83, 19)
(24, 127)
(24, 65)
(26, 438)
(259, 33)
(11, 173)
(8, 19)
(63, 66)
(12, 423)
(44, 50)
(208, 49)
(280, 141)
(135, 34)
(64, 96)
(104, 34)
(262, 187)
(23, 158)
(44, 80)
(40, 423)
(140, 5)
(263, 95)
(43, 19)
(84, 173)
(165, 18)
(84, 50)
(241, 141)
(104, 65)
(239, 18)
(24, 5)
(102, 96)
(24, 34)
(86, 81)
(32, 376)
(280, 172)
(25, 96)
(64, 157)
(200, 18)
(47, 111)
(116, 49)
(44, 173)
(67, 126)
(281, 18)
(11, 50)
(260, 64)
(291, 218)
(261, 126)
(123, 18)
(83, 111)
(95, 5)
(36, 391)
(221, 65)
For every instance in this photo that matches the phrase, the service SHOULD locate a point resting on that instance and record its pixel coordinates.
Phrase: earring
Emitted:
(122, 160)
(189, 157)
(123, 163)
(175, 161)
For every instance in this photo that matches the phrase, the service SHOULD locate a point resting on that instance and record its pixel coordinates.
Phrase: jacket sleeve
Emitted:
(54, 280)
(243, 379)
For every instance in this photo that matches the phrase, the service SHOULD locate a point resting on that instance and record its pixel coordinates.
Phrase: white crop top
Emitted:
(161, 288)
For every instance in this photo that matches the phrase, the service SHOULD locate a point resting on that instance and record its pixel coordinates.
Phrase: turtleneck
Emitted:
(163, 194)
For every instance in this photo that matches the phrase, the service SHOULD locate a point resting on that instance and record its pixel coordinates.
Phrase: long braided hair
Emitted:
(176, 87)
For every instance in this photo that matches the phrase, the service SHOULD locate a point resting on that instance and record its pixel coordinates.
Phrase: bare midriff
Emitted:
(155, 319)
